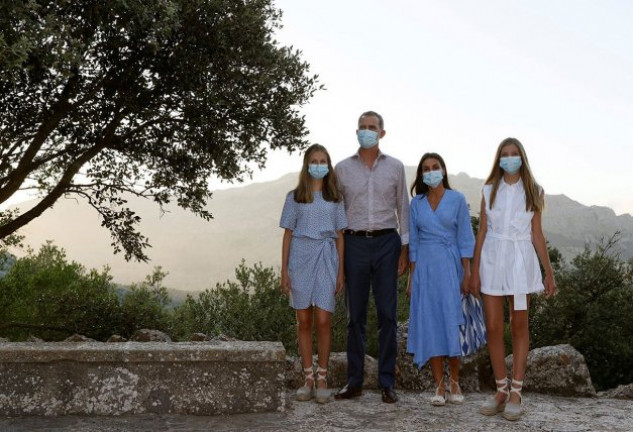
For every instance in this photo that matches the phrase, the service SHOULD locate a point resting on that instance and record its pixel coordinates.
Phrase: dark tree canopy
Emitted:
(99, 99)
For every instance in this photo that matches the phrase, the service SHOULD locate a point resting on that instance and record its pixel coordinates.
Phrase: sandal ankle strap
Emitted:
(321, 374)
(308, 373)
(518, 388)
(502, 386)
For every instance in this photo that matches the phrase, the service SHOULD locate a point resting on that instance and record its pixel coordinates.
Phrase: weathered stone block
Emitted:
(558, 369)
(195, 378)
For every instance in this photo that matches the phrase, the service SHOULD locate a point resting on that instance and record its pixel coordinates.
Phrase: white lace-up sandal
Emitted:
(456, 397)
(322, 394)
(306, 392)
(438, 399)
(492, 406)
(512, 410)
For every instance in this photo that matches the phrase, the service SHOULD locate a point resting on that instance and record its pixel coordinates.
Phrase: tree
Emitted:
(143, 97)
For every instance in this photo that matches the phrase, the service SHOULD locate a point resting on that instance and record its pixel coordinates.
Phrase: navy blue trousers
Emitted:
(371, 263)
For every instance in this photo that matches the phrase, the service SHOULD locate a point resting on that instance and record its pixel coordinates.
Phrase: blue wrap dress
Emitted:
(313, 259)
(438, 241)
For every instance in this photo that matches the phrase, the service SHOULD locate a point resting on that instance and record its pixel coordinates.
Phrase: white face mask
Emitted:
(367, 138)
(510, 164)
(433, 178)
(318, 171)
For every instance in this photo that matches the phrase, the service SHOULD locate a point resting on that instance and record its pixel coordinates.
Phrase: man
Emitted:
(376, 202)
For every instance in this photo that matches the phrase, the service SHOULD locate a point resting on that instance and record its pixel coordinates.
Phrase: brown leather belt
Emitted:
(374, 233)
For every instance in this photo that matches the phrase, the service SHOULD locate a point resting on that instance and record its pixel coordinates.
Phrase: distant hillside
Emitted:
(199, 254)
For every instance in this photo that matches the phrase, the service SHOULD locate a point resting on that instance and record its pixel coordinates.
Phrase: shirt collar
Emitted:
(380, 154)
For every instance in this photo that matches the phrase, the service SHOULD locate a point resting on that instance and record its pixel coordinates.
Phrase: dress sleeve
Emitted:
(465, 237)
(289, 213)
(413, 229)
(341, 218)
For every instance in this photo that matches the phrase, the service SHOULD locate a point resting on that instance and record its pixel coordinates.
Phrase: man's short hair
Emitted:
(381, 122)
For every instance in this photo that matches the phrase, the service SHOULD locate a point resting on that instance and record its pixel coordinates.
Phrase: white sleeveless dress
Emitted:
(509, 264)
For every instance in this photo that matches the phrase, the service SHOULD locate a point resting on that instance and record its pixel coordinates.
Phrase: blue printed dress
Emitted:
(438, 241)
(313, 260)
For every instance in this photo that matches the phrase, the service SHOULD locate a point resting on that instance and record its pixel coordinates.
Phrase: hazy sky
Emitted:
(458, 76)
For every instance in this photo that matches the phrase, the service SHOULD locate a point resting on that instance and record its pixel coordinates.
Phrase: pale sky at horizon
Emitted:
(456, 77)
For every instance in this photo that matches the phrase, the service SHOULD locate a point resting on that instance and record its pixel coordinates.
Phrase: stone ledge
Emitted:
(199, 378)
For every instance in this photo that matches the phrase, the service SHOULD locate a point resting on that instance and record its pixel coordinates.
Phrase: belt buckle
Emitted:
(369, 234)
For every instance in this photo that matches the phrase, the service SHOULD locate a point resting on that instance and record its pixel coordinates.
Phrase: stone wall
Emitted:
(199, 378)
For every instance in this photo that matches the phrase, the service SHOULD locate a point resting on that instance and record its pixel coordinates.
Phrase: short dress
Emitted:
(509, 264)
(438, 240)
(313, 259)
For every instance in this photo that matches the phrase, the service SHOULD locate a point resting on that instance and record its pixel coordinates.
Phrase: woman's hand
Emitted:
(411, 270)
(465, 287)
(474, 284)
(285, 283)
(550, 285)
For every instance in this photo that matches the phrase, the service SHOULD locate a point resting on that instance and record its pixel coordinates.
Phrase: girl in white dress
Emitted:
(506, 266)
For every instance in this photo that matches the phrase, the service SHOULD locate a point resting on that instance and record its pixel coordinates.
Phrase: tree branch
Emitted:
(58, 111)
(64, 182)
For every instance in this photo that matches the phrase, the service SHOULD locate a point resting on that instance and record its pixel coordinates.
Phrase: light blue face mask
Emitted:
(367, 138)
(432, 178)
(510, 164)
(318, 171)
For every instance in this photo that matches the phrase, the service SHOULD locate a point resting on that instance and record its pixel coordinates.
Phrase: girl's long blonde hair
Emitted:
(303, 191)
(533, 199)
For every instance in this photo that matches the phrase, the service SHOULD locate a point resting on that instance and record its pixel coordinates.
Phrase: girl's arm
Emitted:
(475, 280)
(540, 245)
(340, 249)
(285, 253)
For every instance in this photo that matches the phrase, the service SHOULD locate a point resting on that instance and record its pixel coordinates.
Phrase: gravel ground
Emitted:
(366, 413)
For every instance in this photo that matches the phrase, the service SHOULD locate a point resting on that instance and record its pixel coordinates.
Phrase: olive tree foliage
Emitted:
(101, 99)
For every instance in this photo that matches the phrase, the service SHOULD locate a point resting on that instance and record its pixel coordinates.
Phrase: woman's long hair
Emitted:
(419, 187)
(533, 199)
(303, 191)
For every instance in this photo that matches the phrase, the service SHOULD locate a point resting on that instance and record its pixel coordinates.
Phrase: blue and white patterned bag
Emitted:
(472, 335)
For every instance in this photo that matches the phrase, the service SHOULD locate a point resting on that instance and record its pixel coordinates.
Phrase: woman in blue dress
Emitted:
(440, 247)
(312, 262)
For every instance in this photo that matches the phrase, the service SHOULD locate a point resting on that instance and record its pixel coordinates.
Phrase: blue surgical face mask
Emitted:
(367, 138)
(510, 164)
(432, 178)
(318, 171)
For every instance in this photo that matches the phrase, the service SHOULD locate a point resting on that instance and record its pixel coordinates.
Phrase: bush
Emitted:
(250, 308)
(44, 295)
(592, 311)
(146, 305)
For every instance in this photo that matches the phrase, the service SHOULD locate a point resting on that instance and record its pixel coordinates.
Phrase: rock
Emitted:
(32, 338)
(475, 372)
(116, 338)
(79, 338)
(199, 337)
(558, 370)
(4, 340)
(337, 371)
(620, 392)
(146, 335)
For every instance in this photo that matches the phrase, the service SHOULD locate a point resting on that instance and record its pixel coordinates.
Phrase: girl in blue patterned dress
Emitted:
(312, 262)
(441, 244)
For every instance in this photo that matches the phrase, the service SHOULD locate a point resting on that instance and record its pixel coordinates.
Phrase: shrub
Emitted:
(592, 311)
(250, 308)
(45, 295)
